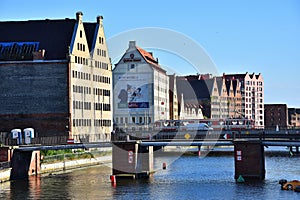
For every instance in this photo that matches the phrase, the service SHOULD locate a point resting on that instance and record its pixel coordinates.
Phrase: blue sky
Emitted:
(239, 36)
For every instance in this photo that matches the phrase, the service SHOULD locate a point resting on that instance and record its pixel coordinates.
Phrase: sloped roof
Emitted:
(235, 76)
(235, 86)
(149, 59)
(194, 89)
(228, 84)
(89, 29)
(219, 81)
(52, 35)
(147, 56)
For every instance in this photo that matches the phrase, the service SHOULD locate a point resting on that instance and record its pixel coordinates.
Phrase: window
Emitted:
(80, 33)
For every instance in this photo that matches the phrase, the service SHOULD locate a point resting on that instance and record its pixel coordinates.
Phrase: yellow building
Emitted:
(57, 78)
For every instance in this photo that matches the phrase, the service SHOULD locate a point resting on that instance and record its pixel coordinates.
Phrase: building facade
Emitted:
(58, 79)
(252, 92)
(141, 89)
(294, 117)
(228, 96)
(276, 116)
(173, 98)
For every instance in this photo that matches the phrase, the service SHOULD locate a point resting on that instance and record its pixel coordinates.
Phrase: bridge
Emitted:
(134, 157)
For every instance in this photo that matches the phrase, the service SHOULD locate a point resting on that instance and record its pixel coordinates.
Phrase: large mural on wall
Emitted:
(132, 91)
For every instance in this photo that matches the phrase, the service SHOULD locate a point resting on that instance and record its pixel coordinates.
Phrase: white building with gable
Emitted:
(140, 89)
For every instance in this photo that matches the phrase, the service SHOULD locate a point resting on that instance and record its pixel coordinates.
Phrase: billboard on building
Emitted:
(132, 91)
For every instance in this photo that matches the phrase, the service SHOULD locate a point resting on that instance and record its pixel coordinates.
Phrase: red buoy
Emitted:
(113, 179)
(199, 151)
(164, 165)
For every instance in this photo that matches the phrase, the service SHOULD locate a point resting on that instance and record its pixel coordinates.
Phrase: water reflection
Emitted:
(187, 178)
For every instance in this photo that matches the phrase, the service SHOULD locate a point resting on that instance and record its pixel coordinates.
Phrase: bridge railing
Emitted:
(55, 140)
(200, 135)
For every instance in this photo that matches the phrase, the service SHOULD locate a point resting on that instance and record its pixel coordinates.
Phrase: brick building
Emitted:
(228, 96)
(276, 115)
(252, 93)
(217, 97)
(294, 117)
(56, 78)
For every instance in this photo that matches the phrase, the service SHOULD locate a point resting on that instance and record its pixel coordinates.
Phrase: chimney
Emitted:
(131, 44)
(99, 20)
(79, 16)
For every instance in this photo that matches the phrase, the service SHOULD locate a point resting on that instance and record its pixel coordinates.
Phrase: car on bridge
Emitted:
(290, 185)
(198, 127)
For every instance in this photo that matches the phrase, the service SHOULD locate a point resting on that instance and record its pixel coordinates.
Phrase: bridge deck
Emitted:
(205, 142)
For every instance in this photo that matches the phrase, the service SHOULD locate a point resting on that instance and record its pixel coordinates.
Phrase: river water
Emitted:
(188, 177)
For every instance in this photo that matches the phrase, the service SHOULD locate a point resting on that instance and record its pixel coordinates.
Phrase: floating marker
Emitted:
(240, 179)
(113, 179)
(164, 165)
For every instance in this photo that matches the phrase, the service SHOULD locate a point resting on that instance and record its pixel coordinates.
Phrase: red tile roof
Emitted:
(148, 56)
(149, 59)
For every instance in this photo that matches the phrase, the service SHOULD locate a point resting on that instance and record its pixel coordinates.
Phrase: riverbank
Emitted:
(49, 168)
(72, 164)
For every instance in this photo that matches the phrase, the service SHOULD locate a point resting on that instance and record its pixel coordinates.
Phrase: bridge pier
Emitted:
(249, 160)
(24, 164)
(131, 160)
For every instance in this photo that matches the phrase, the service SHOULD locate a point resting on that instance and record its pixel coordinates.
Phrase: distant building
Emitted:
(141, 89)
(252, 92)
(228, 96)
(191, 110)
(56, 78)
(216, 96)
(276, 115)
(195, 97)
(173, 98)
(294, 117)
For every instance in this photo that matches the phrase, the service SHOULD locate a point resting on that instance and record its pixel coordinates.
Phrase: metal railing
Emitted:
(54, 140)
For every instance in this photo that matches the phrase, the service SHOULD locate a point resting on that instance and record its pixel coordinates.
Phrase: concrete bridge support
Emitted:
(249, 160)
(131, 160)
(24, 164)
